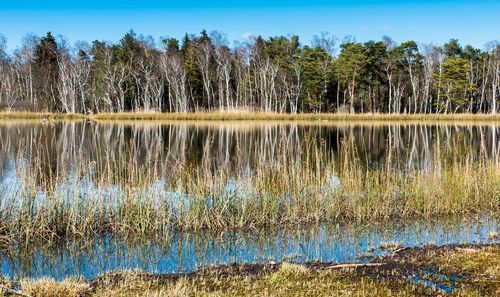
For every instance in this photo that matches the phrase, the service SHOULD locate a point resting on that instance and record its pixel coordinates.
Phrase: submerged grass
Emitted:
(131, 198)
(470, 270)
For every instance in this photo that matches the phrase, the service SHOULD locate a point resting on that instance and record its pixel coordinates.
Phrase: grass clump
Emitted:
(51, 288)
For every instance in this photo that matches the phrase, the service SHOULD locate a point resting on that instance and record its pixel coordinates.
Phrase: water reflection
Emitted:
(186, 252)
(56, 148)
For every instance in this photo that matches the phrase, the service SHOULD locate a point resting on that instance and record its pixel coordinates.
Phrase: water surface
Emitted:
(55, 149)
(186, 252)
(59, 146)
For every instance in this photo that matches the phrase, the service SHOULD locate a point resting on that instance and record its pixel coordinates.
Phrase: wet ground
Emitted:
(420, 265)
(455, 270)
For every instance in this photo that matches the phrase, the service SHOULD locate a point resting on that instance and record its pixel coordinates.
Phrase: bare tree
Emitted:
(224, 67)
(175, 74)
(204, 55)
(494, 70)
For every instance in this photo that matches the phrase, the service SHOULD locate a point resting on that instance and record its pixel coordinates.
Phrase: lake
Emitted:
(108, 159)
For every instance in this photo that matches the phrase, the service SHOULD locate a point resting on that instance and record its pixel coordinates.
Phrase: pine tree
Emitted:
(46, 73)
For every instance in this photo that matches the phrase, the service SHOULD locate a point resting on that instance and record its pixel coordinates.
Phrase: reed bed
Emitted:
(26, 115)
(255, 116)
(251, 116)
(149, 199)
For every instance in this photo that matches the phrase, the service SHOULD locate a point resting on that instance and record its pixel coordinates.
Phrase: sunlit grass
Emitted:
(24, 115)
(251, 116)
(135, 199)
(395, 275)
(225, 116)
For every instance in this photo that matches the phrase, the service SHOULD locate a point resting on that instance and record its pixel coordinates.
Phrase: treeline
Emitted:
(279, 74)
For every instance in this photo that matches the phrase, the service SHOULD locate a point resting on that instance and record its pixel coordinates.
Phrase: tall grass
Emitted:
(143, 199)
(222, 116)
(248, 115)
(26, 115)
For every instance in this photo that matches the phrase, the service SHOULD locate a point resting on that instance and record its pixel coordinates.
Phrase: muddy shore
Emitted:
(455, 270)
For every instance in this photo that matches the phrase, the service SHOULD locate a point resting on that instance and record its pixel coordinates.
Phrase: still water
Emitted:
(56, 148)
(183, 252)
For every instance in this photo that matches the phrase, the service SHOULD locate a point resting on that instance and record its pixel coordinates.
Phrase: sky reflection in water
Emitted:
(59, 147)
(186, 252)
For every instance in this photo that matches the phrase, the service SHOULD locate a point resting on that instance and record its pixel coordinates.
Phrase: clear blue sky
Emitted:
(474, 21)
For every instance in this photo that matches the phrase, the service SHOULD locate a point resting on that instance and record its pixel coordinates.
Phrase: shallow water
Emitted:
(183, 252)
(59, 146)
(56, 148)
(440, 282)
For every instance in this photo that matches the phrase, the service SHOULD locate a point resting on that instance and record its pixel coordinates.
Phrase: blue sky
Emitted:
(475, 22)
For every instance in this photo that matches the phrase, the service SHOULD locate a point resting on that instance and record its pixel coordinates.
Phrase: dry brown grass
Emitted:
(253, 116)
(394, 277)
(286, 192)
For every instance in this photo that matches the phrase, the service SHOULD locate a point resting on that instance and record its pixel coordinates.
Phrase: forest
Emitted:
(203, 72)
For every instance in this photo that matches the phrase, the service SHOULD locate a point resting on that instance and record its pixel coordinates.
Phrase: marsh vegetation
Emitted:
(267, 167)
(455, 270)
(149, 179)
(75, 183)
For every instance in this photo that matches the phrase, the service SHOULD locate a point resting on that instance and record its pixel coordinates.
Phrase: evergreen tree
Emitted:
(350, 67)
(193, 74)
(315, 77)
(452, 49)
(46, 73)
(455, 83)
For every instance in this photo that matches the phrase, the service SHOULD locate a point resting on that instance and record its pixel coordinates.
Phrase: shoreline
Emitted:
(245, 116)
(465, 269)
